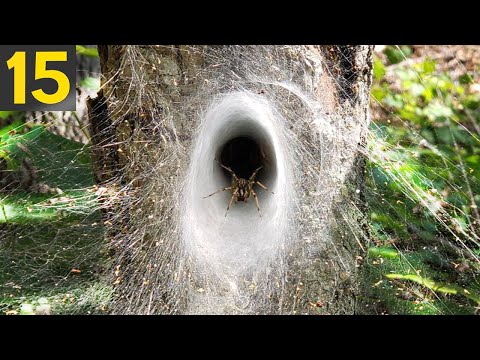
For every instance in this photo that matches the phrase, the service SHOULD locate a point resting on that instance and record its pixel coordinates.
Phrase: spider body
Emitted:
(241, 188)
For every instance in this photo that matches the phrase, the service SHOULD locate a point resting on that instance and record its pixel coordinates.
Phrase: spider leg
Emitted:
(229, 204)
(255, 173)
(256, 201)
(263, 186)
(228, 169)
(227, 188)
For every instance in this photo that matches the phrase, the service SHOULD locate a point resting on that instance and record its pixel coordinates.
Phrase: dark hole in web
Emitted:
(243, 155)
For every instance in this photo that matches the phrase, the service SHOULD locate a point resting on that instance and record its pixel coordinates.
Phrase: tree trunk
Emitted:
(166, 118)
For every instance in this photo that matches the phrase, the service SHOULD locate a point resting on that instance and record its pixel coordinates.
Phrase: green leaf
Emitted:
(429, 94)
(406, 74)
(437, 111)
(428, 66)
(473, 160)
(5, 114)
(396, 55)
(395, 101)
(406, 50)
(378, 69)
(378, 93)
(444, 135)
(90, 83)
(428, 135)
(472, 102)
(384, 252)
(437, 286)
(82, 50)
(16, 126)
(416, 89)
(466, 79)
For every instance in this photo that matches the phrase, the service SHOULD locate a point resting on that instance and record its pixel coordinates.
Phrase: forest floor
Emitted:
(424, 180)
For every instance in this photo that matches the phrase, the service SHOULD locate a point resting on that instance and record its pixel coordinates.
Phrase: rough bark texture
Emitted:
(150, 107)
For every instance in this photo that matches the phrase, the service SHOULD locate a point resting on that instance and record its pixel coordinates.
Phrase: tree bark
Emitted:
(145, 125)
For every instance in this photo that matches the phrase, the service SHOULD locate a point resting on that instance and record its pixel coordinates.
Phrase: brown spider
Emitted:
(241, 188)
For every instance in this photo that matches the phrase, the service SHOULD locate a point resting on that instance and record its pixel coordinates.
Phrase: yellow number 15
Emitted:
(18, 63)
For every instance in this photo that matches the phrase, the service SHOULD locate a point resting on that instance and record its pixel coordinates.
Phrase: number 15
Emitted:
(18, 63)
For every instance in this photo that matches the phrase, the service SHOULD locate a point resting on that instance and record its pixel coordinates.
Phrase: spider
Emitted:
(241, 188)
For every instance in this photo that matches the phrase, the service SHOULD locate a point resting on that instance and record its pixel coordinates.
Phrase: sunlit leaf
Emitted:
(378, 69)
(437, 111)
(416, 89)
(428, 66)
(473, 160)
(82, 50)
(385, 252)
(90, 83)
(437, 286)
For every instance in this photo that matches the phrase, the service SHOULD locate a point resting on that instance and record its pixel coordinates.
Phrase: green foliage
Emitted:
(82, 50)
(51, 245)
(90, 83)
(397, 54)
(5, 114)
(383, 252)
(62, 163)
(437, 286)
(378, 69)
(416, 282)
(424, 185)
